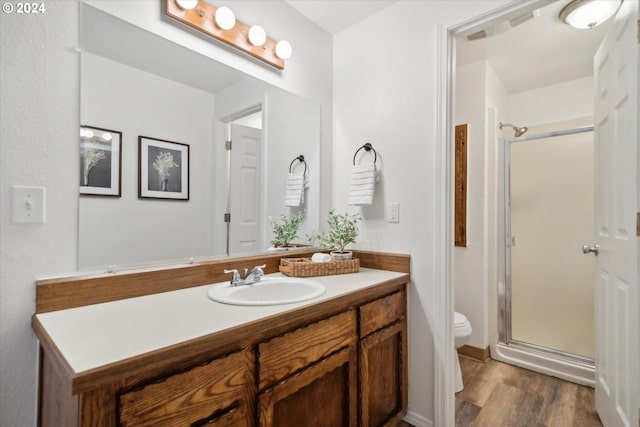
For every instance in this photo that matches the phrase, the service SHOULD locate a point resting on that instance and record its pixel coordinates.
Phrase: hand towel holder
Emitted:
(300, 158)
(367, 147)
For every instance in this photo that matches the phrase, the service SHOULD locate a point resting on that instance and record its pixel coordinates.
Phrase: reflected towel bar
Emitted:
(300, 158)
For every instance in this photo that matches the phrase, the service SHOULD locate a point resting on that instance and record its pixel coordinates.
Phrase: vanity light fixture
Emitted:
(221, 24)
(86, 133)
(225, 18)
(257, 36)
(187, 4)
(283, 49)
(587, 14)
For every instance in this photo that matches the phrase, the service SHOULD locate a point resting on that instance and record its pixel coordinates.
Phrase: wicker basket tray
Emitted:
(303, 267)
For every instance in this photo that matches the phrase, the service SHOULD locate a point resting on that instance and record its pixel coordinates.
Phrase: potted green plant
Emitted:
(285, 229)
(342, 231)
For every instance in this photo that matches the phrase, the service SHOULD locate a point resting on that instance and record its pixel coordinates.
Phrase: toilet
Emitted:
(461, 333)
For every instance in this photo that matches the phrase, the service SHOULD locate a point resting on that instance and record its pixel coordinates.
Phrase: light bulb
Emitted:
(107, 136)
(88, 133)
(257, 36)
(187, 4)
(225, 18)
(283, 49)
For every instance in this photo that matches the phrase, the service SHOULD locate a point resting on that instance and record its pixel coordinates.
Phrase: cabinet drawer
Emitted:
(218, 393)
(287, 354)
(381, 312)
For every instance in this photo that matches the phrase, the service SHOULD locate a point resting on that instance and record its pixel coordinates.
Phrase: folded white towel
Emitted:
(294, 190)
(320, 257)
(362, 187)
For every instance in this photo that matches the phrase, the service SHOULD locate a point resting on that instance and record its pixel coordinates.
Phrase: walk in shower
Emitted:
(546, 309)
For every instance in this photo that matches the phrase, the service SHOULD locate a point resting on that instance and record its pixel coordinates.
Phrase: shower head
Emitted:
(519, 131)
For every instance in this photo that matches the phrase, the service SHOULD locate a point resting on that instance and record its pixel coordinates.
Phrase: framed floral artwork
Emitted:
(163, 170)
(100, 161)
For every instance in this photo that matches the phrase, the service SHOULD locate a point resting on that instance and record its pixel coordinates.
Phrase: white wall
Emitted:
(293, 125)
(478, 90)
(39, 131)
(291, 128)
(470, 282)
(39, 117)
(385, 92)
(549, 104)
(161, 229)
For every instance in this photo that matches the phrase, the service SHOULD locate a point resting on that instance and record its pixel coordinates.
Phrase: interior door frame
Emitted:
(226, 124)
(444, 408)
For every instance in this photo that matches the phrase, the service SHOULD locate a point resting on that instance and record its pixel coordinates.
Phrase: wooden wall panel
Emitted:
(77, 291)
(460, 186)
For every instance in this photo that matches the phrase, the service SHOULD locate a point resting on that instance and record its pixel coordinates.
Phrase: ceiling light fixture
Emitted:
(187, 4)
(225, 18)
(587, 14)
(257, 36)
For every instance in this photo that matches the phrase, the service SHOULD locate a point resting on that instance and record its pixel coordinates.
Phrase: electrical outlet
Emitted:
(394, 212)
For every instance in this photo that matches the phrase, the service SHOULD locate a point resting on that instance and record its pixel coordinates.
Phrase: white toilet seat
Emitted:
(461, 326)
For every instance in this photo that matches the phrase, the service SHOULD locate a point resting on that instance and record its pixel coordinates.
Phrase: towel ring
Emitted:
(367, 147)
(300, 158)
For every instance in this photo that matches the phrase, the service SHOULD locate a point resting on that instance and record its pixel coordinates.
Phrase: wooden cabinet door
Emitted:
(219, 393)
(383, 376)
(322, 395)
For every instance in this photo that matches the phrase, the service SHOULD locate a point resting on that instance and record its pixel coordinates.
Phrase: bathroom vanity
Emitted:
(160, 353)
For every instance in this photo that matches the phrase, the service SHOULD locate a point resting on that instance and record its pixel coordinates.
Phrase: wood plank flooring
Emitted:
(500, 395)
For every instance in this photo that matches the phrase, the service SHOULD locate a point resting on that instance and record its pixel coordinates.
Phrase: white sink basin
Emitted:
(268, 291)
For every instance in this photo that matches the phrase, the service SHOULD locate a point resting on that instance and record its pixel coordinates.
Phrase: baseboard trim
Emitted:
(417, 420)
(479, 354)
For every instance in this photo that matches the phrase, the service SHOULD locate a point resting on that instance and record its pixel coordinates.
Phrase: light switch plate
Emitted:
(394, 212)
(28, 204)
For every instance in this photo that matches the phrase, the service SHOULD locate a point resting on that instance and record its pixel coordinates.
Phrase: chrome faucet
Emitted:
(251, 277)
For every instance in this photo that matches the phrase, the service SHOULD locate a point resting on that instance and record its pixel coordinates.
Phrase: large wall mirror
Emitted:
(140, 84)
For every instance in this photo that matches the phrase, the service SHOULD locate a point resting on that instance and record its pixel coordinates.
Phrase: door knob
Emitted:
(590, 249)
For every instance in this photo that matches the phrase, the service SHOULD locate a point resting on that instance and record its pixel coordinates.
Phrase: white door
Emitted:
(246, 176)
(616, 204)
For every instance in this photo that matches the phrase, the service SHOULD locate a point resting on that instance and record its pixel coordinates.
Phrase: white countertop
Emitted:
(93, 336)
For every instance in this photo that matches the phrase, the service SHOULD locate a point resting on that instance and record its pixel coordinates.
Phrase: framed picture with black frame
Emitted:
(100, 161)
(163, 169)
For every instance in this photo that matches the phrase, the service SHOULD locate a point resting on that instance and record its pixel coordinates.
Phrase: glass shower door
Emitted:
(551, 217)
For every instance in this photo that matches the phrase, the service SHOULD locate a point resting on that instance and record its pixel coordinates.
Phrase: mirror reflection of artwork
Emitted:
(164, 169)
(100, 159)
(163, 163)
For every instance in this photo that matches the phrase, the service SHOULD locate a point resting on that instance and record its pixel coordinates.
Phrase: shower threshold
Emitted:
(567, 366)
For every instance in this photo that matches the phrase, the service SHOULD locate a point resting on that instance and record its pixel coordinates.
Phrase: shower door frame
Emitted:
(569, 366)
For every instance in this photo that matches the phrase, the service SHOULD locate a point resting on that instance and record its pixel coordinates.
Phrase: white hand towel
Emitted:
(319, 257)
(294, 191)
(362, 187)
